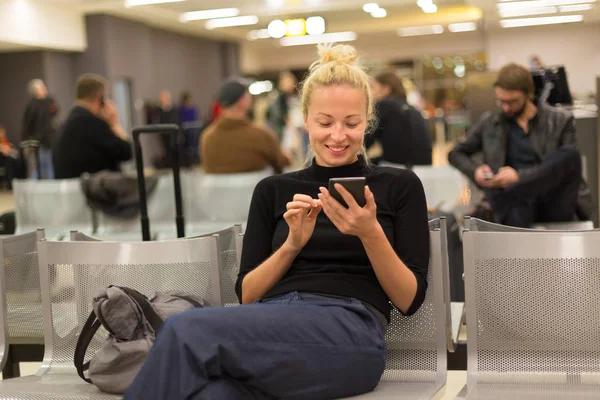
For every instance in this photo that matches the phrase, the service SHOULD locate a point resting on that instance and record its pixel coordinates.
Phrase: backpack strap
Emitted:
(88, 331)
(188, 299)
(142, 301)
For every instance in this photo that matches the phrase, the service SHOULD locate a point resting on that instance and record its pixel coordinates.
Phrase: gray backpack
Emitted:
(132, 322)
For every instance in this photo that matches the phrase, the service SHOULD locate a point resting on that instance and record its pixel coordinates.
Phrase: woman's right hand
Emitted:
(301, 216)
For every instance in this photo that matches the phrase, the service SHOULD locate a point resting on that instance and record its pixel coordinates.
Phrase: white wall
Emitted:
(34, 23)
(577, 46)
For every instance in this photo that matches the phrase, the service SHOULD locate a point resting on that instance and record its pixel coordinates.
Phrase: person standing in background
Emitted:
(165, 114)
(402, 131)
(39, 123)
(278, 112)
(190, 125)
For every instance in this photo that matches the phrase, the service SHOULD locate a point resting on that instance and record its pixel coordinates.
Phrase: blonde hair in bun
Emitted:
(337, 65)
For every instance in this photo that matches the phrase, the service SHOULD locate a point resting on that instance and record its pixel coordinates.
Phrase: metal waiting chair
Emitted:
(228, 262)
(221, 197)
(55, 205)
(161, 212)
(479, 225)
(417, 345)
(445, 187)
(3, 323)
(532, 315)
(20, 291)
(188, 265)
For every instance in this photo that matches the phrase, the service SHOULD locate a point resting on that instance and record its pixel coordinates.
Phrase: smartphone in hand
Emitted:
(354, 185)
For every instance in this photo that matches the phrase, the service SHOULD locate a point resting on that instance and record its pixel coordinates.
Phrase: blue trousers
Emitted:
(548, 195)
(46, 166)
(294, 346)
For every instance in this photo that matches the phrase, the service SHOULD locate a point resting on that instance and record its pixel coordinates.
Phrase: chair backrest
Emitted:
(221, 197)
(532, 307)
(479, 225)
(55, 205)
(445, 187)
(21, 288)
(229, 266)
(417, 345)
(86, 267)
(161, 211)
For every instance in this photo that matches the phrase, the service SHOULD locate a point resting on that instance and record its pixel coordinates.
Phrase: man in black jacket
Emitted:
(531, 169)
(92, 139)
(39, 123)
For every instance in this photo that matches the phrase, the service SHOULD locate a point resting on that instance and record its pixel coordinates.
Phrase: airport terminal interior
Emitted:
(205, 199)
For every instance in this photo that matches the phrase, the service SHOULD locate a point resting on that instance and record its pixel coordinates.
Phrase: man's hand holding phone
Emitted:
(484, 176)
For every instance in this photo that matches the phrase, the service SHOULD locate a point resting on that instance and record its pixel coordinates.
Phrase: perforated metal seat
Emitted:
(20, 290)
(478, 225)
(188, 265)
(228, 265)
(445, 187)
(416, 345)
(533, 322)
(161, 213)
(221, 197)
(55, 205)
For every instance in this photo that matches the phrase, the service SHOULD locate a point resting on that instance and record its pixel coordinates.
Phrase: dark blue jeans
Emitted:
(294, 346)
(549, 194)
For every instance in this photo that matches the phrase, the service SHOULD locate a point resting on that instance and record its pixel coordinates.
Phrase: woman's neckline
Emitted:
(323, 174)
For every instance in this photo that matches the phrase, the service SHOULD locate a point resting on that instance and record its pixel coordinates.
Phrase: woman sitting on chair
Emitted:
(316, 278)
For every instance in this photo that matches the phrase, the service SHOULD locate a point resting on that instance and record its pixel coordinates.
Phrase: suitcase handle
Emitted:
(173, 130)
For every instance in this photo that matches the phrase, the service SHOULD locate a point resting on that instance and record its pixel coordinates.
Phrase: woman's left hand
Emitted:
(354, 220)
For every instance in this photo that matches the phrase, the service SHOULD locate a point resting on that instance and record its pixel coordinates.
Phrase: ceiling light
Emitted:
(275, 3)
(515, 23)
(277, 29)
(370, 7)
(424, 3)
(527, 11)
(462, 27)
(235, 21)
(134, 3)
(315, 25)
(258, 34)
(295, 27)
(429, 8)
(209, 14)
(520, 5)
(379, 13)
(575, 7)
(421, 30)
(260, 87)
(316, 39)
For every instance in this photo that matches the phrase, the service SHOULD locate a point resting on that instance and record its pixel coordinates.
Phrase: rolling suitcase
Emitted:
(174, 132)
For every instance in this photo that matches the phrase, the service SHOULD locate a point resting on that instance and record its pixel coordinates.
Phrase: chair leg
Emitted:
(11, 369)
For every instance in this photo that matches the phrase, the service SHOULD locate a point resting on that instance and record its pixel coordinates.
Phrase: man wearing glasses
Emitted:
(531, 169)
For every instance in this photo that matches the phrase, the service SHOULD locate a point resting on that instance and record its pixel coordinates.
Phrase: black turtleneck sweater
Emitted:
(332, 263)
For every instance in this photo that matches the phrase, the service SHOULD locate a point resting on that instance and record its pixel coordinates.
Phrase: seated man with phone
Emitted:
(531, 169)
(92, 139)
